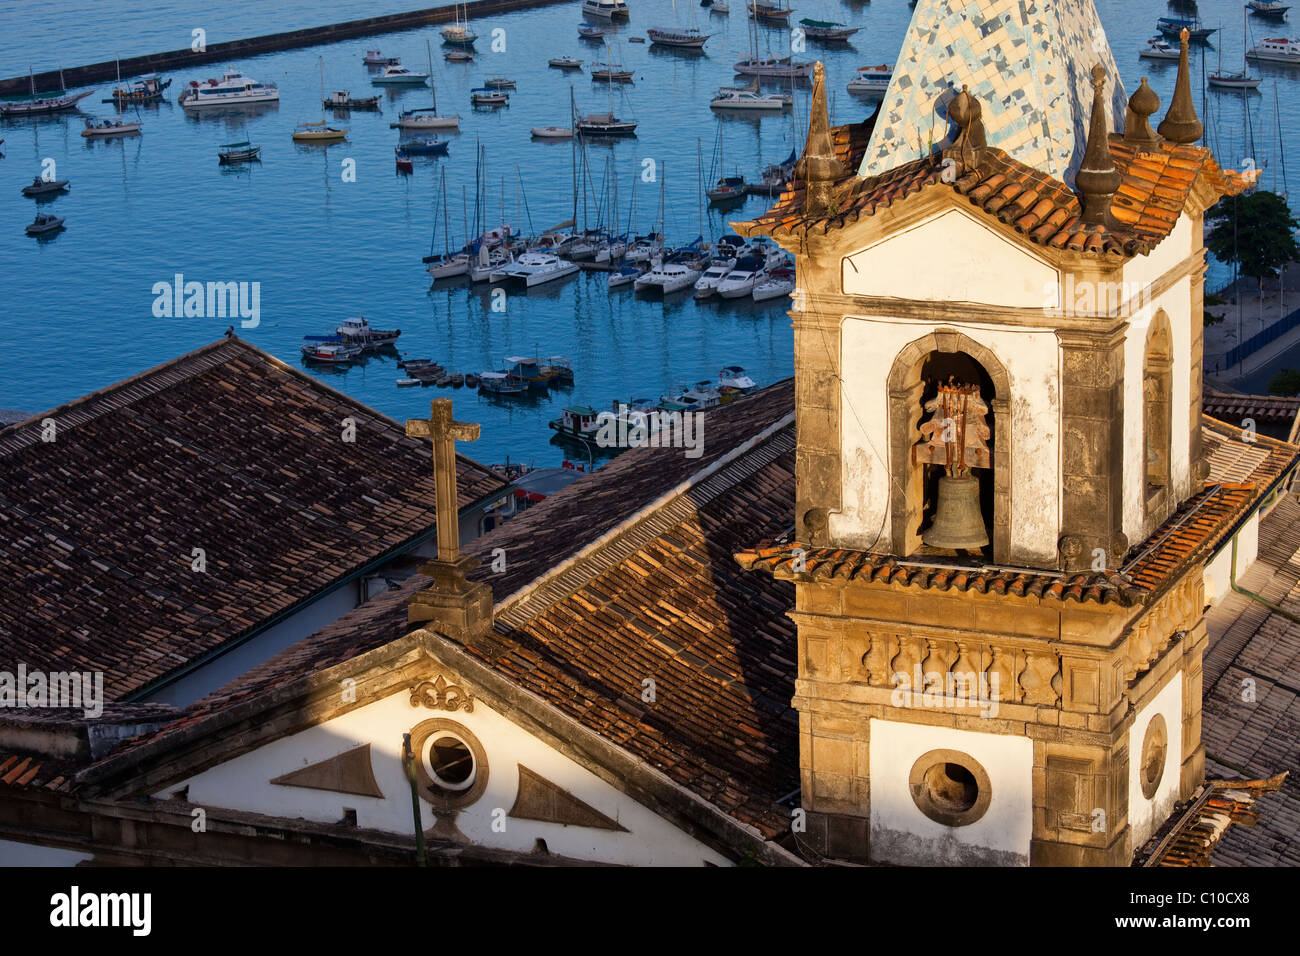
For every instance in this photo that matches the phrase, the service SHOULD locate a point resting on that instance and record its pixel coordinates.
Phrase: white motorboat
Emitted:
(732, 381)
(1276, 50)
(328, 354)
(871, 79)
(398, 75)
(552, 132)
(565, 63)
(233, 89)
(782, 66)
(376, 58)
(107, 128)
(707, 284)
(686, 39)
(744, 98)
(740, 281)
(607, 9)
(778, 283)
(589, 31)
(667, 278)
(698, 396)
(533, 269)
(1158, 48)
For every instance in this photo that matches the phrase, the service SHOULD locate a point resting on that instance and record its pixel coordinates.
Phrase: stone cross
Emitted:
(445, 433)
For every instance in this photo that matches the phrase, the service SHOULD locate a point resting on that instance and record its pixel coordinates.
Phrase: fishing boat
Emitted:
(321, 131)
(686, 39)
(44, 224)
(1158, 48)
(361, 333)
(777, 283)
(740, 281)
(500, 383)
(607, 9)
(1267, 10)
(589, 31)
(552, 132)
(499, 83)
(610, 73)
(108, 128)
(324, 350)
(483, 96)
(38, 105)
(529, 371)
(1172, 27)
(458, 56)
(827, 31)
(1240, 80)
(769, 11)
(871, 79)
(782, 66)
(458, 33)
(1276, 50)
(565, 63)
(343, 100)
(398, 75)
(376, 58)
(146, 89)
(233, 89)
(242, 152)
(44, 187)
(623, 276)
(423, 146)
(578, 421)
(534, 269)
(558, 369)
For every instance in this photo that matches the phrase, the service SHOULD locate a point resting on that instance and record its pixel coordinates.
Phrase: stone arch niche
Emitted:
(1157, 418)
(907, 387)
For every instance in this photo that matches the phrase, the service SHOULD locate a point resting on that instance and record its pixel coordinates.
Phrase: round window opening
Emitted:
(1155, 747)
(950, 787)
(451, 762)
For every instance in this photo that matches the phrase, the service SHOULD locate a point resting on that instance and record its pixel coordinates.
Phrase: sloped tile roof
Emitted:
(1232, 407)
(1155, 184)
(1190, 838)
(35, 771)
(225, 449)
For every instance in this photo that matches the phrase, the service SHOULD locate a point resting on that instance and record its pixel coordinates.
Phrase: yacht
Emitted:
(740, 281)
(459, 33)
(534, 268)
(644, 248)
(667, 278)
(425, 117)
(744, 98)
(605, 124)
(733, 382)
(449, 266)
(607, 9)
(871, 79)
(1158, 48)
(707, 284)
(686, 39)
(778, 283)
(398, 75)
(1276, 50)
(234, 89)
(782, 66)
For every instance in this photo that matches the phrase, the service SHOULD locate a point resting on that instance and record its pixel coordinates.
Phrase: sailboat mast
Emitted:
(432, 85)
(699, 173)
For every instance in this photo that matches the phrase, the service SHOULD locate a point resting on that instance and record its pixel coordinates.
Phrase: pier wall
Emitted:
(76, 76)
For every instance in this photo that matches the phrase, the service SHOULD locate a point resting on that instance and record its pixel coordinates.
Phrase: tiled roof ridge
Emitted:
(1234, 432)
(1190, 838)
(627, 536)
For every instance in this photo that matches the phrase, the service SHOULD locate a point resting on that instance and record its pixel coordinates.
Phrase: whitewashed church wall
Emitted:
(243, 784)
(901, 833)
(1032, 361)
(1218, 571)
(1146, 815)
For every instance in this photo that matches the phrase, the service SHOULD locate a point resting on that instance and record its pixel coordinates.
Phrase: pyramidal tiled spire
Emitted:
(1027, 62)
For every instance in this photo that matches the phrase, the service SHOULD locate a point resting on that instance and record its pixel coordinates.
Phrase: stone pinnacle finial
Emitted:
(1181, 124)
(1097, 179)
(1137, 122)
(819, 168)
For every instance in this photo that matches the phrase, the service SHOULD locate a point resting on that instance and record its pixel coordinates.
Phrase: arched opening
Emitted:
(1157, 414)
(920, 369)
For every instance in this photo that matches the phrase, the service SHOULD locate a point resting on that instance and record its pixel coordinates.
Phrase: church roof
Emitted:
(226, 449)
(1242, 473)
(1155, 184)
(1026, 61)
(627, 575)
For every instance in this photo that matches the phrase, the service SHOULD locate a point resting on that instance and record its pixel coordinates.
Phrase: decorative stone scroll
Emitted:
(437, 694)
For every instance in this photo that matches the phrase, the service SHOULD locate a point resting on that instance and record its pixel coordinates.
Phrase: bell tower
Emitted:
(998, 376)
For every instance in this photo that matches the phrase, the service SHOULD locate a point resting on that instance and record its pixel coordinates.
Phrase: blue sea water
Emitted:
(78, 309)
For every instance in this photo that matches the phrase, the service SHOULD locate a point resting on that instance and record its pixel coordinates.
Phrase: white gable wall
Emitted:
(243, 784)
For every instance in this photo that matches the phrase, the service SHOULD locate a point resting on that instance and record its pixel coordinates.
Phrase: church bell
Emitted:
(958, 522)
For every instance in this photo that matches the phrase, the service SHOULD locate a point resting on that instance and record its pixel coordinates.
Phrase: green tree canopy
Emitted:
(1255, 231)
(1285, 382)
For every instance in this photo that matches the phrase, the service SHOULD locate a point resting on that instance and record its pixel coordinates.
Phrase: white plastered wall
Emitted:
(901, 833)
(243, 783)
(1218, 572)
(1145, 815)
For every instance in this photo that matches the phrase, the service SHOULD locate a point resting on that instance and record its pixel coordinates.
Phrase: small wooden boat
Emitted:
(457, 380)
(407, 382)
(826, 31)
(609, 73)
(146, 89)
(329, 353)
(403, 160)
(375, 58)
(44, 223)
(552, 132)
(42, 187)
(636, 39)
(458, 56)
(589, 31)
(489, 97)
(471, 380)
(500, 383)
(686, 39)
(1269, 11)
(108, 128)
(499, 83)
(1173, 26)
(39, 105)
(318, 133)
(243, 152)
(343, 100)
(769, 11)
(565, 63)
